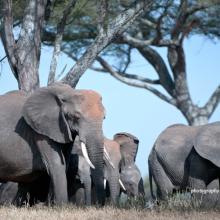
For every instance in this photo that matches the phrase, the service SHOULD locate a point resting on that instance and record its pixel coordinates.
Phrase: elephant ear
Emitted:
(128, 145)
(42, 111)
(207, 143)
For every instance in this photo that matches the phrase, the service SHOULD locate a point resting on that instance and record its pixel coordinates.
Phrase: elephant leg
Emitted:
(197, 176)
(87, 191)
(22, 196)
(8, 192)
(55, 164)
(213, 198)
(161, 179)
(80, 196)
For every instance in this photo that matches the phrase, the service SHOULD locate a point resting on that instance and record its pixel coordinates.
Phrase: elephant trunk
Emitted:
(141, 191)
(114, 189)
(88, 186)
(94, 142)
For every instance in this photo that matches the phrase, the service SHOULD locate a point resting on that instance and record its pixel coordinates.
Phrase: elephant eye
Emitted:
(77, 116)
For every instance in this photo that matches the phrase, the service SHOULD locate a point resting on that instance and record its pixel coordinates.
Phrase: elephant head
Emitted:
(129, 173)
(60, 113)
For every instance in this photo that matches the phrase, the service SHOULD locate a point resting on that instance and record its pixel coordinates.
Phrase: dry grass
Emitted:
(107, 213)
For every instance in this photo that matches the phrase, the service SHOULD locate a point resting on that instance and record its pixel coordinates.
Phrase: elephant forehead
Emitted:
(113, 149)
(111, 145)
(125, 136)
(92, 103)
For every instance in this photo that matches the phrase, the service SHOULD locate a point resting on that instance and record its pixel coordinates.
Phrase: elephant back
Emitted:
(175, 138)
(11, 105)
(207, 142)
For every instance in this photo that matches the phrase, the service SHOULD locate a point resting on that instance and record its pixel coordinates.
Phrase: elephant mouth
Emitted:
(86, 156)
(120, 182)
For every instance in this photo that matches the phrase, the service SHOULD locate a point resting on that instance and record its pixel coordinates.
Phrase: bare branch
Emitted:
(142, 43)
(180, 20)
(3, 58)
(69, 54)
(115, 27)
(137, 42)
(148, 23)
(102, 7)
(134, 82)
(58, 40)
(213, 102)
(128, 61)
(61, 73)
(154, 58)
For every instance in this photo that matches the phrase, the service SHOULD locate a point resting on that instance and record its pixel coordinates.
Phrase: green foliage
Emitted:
(81, 28)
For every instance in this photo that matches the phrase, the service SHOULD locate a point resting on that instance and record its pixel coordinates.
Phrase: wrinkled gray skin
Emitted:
(36, 133)
(185, 157)
(129, 173)
(31, 194)
(79, 174)
(80, 188)
(122, 151)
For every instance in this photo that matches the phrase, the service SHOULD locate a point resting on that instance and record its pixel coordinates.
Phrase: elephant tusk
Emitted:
(105, 183)
(86, 156)
(122, 185)
(106, 155)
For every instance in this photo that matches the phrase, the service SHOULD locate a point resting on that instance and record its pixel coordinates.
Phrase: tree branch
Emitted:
(213, 102)
(115, 27)
(58, 41)
(3, 58)
(134, 82)
(102, 7)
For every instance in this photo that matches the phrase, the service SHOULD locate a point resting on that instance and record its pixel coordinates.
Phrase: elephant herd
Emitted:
(53, 150)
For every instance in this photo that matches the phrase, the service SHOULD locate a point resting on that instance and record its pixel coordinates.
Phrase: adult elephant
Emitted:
(37, 132)
(185, 157)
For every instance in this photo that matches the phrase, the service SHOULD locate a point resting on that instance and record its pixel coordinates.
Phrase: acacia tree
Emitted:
(83, 29)
(169, 28)
(166, 24)
(23, 47)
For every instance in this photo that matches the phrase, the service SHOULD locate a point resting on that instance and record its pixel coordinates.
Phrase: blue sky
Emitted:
(136, 110)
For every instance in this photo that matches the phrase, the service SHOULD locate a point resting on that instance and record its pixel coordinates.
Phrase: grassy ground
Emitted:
(107, 213)
(178, 207)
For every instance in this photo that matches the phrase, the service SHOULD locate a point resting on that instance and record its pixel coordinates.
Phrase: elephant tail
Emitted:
(151, 182)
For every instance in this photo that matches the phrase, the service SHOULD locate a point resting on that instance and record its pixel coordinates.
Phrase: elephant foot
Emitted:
(151, 204)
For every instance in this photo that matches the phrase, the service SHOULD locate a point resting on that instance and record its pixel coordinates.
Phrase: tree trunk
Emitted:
(24, 54)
